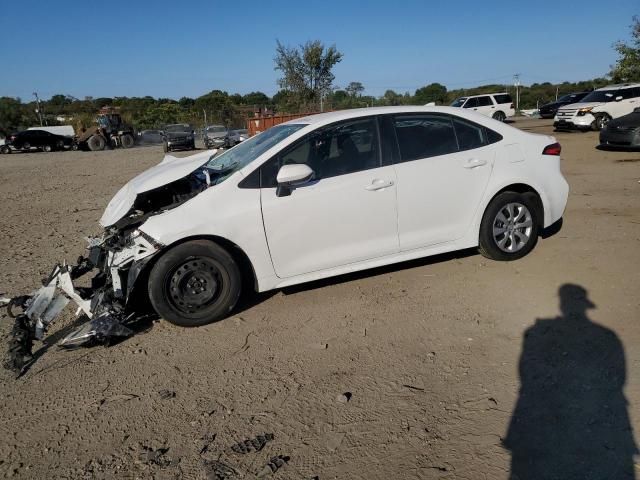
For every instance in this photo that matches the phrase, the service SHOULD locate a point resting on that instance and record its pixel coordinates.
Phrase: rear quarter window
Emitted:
(503, 98)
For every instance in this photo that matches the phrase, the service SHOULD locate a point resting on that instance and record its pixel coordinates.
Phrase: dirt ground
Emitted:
(453, 366)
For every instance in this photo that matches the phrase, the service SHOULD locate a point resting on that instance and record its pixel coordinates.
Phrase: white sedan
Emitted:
(313, 198)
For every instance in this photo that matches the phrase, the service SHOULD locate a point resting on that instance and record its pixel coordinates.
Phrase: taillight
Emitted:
(553, 149)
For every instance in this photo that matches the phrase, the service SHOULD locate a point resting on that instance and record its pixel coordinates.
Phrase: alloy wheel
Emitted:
(512, 227)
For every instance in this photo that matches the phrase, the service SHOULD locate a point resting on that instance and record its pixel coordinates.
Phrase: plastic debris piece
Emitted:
(20, 346)
(167, 394)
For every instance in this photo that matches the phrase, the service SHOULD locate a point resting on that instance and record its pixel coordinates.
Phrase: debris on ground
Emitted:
(209, 438)
(344, 397)
(156, 456)
(166, 394)
(274, 464)
(218, 470)
(256, 444)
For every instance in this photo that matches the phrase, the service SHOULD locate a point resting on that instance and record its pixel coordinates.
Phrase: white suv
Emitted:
(596, 109)
(495, 105)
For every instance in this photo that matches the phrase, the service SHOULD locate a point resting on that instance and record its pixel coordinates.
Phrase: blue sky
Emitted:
(181, 48)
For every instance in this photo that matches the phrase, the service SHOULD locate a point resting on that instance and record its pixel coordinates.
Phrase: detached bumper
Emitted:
(104, 305)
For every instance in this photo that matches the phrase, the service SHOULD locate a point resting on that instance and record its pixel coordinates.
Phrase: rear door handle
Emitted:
(474, 162)
(379, 184)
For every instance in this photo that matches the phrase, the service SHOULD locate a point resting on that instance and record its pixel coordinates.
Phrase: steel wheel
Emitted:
(512, 227)
(195, 284)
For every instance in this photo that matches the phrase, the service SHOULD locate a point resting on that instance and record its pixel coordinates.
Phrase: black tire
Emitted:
(47, 148)
(127, 141)
(195, 283)
(4, 149)
(513, 236)
(75, 147)
(601, 121)
(96, 143)
(500, 116)
(26, 146)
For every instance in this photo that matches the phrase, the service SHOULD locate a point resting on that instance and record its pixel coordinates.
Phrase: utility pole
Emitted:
(516, 78)
(205, 117)
(35, 94)
(557, 88)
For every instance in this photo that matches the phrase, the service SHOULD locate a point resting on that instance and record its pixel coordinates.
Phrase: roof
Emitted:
(330, 117)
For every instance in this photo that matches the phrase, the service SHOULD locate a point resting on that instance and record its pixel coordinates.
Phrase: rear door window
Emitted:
(424, 135)
(485, 101)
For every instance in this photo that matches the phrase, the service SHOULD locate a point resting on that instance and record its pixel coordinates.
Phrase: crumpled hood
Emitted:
(170, 169)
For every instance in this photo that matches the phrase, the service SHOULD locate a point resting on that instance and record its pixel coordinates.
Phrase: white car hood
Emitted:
(170, 169)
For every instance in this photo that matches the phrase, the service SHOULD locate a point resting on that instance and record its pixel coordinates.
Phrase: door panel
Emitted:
(331, 222)
(346, 213)
(438, 195)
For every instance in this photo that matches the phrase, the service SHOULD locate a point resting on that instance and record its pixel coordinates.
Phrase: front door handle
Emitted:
(379, 184)
(474, 162)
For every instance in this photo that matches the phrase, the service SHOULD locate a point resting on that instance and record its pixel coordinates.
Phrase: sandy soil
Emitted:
(430, 351)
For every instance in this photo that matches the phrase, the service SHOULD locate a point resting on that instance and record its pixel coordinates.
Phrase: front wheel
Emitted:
(47, 148)
(4, 149)
(195, 283)
(509, 228)
(126, 141)
(601, 121)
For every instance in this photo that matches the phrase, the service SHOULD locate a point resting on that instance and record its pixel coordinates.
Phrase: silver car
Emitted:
(216, 136)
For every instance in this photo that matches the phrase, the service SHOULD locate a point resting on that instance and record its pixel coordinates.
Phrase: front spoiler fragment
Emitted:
(101, 307)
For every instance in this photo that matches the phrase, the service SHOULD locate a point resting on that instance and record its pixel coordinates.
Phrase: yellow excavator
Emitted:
(110, 131)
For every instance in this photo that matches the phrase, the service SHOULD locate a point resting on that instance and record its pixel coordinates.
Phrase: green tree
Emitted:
(354, 89)
(433, 92)
(306, 71)
(627, 68)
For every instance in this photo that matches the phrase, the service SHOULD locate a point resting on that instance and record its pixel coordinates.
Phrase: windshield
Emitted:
(458, 102)
(229, 162)
(601, 96)
(178, 128)
(216, 129)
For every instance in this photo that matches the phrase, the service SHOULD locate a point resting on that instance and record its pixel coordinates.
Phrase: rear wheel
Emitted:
(5, 149)
(96, 143)
(195, 283)
(509, 228)
(500, 116)
(126, 140)
(47, 148)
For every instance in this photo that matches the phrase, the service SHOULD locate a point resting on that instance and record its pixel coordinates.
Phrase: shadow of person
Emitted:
(571, 420)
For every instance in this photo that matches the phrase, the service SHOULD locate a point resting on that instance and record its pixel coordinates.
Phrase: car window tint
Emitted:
(471, 103)
(492, 137)
(484, 101)
(337, 150)
(422, 136)
(470, 135)
(503, 98)
(626, 93)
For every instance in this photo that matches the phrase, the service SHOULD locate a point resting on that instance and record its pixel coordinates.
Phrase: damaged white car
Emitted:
(316, 197)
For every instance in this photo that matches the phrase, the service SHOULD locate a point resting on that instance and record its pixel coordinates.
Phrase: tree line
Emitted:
(306, 85)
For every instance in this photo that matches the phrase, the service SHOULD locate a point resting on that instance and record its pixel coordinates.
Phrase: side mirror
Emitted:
(618, 98)
(290, 176)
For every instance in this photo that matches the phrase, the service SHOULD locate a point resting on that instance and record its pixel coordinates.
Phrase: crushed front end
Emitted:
(115, 259)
